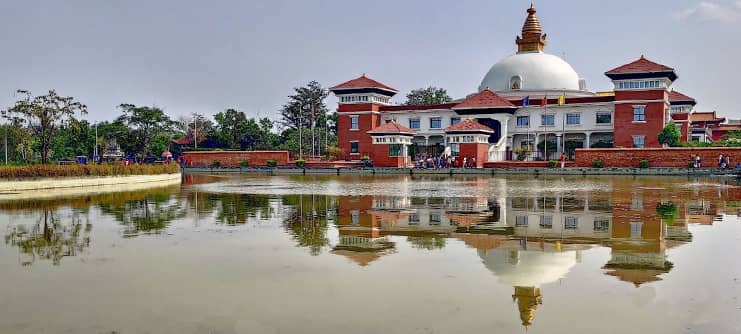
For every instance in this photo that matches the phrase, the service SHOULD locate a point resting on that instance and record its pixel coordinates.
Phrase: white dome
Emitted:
(536, 71)
(528, 268)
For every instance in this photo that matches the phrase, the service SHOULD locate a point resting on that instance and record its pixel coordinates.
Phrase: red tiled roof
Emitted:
(641, 65)
(469, 125)
(363, 82)
(675, 96)
(188, 140)
(486, 99)
(392, 127)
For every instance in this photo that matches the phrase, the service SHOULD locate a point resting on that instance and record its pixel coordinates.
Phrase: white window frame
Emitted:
(542, 120)
(578, 116)
(351, 152)
(517, 121)
(643, 140)
(439, 119)
(354, 123)
(643, 108)
(596, 117)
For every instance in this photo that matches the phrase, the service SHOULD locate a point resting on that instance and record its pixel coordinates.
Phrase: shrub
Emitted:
(364, 158)
(552, 164)
(243, 163)
(691, 164)
(216, 164)
(598, 164)
(522, 153)
(300, 163)
(643, 164)
(272, 163)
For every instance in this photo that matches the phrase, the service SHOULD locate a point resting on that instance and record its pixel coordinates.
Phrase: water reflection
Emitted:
(51, 237)
(525, 234)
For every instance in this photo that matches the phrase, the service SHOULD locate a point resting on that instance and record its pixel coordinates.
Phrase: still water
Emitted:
(235, 254)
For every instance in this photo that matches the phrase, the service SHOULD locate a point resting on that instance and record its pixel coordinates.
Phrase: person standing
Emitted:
(562, 159)
(698, 161)
(720, 160)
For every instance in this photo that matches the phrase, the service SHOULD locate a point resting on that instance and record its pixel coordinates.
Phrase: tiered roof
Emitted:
(676, 97)
(641, 67)
(363, 82)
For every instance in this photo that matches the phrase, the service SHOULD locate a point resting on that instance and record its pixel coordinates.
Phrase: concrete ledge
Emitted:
(460, 171)
(83, 182)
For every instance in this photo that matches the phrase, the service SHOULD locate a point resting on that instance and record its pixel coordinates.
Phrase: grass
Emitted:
(35, 171)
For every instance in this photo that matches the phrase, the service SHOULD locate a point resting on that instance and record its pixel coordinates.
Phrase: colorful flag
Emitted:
(562, 99)
(526, 101)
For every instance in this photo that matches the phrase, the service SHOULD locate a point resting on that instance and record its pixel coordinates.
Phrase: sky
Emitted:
(188, 56)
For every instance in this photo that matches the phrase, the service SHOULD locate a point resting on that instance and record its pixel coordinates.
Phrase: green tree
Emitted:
(428, 96)
(230, 127)
(669, 135)
(306, 111)
(146, 126)
(44, 114)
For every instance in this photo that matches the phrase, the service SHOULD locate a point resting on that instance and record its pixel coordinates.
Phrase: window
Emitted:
(573, 119)
(604, 117)
(601, 224)
(547, 120)
(413, 218)
(435, 218)
(414, 123)
(521, 221)
(355, 217)
(455, 120)
(636, 230)
(546, 222)
(455, 149)
(395, 150)
(639, 141)
(637, 201)
(436, 123)
(523, 121)
(354, 147)
(354, 123)
(571, 223)
(639, 114)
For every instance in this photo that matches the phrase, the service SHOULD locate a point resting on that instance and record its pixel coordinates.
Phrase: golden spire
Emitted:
(532, 38)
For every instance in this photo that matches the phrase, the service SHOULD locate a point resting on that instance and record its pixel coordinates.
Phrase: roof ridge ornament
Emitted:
(532, 39)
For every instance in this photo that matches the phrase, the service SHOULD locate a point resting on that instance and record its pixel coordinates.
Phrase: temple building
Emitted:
(529, 106)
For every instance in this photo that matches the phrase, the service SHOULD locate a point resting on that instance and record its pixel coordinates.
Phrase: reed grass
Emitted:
(39, 171)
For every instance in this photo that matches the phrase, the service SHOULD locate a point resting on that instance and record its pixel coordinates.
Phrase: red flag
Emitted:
(544, 101)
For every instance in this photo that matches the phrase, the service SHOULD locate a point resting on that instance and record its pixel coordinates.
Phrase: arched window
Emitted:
(515, 83)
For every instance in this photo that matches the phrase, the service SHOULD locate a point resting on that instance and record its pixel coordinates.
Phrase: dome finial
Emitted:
(532, 38)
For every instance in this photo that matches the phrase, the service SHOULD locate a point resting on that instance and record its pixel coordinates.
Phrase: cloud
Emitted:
(706, 11)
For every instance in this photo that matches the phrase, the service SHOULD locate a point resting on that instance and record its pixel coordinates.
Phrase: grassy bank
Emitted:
(36, 171)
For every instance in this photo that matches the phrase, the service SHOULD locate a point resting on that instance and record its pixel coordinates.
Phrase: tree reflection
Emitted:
(150, 215)
(427, 242)
(50, 238)
(236, 209)
(308, 220)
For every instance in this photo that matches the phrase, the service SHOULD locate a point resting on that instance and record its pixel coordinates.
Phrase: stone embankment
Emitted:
(53, 185)
(472, 172)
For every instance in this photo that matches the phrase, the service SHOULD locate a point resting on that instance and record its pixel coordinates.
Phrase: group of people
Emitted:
(724, 161)
(423, 161)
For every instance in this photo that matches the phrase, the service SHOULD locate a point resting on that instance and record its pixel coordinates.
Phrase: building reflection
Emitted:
(532, 238)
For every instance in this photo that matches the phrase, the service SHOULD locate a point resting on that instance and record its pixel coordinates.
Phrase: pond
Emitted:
(397, 254)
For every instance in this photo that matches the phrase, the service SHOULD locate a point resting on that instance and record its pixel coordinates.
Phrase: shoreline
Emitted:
(460, 171)
(62, 185)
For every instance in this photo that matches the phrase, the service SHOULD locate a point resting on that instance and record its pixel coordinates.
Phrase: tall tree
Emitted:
(230, 127)
(428, 96)
(669, 135)
(306, 110)
(44, 114)
(146, 126)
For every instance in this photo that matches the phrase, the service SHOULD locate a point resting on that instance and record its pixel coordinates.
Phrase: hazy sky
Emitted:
(204, 56)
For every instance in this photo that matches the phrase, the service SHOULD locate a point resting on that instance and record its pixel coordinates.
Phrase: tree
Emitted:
(306, 110)
(669, 135)
(428, 96)
(230, 127)
(146, 125)
(44, 114)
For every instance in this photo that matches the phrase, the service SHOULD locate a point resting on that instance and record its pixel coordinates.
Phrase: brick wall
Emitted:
(626, 128)
(380, 157)
(368, 119)
(232, 158)
(480, 151)
(657, 157)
